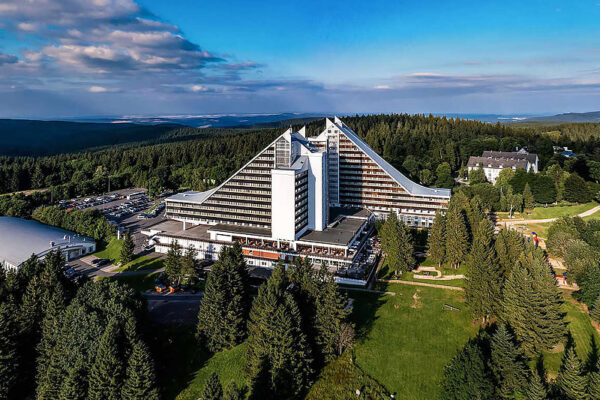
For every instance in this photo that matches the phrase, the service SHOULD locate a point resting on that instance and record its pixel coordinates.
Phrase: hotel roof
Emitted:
(20, 238)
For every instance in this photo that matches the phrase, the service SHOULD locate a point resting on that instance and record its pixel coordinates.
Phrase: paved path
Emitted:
(422, 284)
(540, 221)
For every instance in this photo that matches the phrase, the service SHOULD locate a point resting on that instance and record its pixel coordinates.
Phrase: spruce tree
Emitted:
(536, 388)
(466, 377)
(74, 385)
(188, 264)
(509, 246)
(571, 380)
(593, 383)
(9, 358)
(212, 389)
(224, 308)
(140, 380)
(232, 392)
(173, 263)
(106, 374)
(508, 363)
(397, 245)
(532, 305)
(437, 239)
(457, 237)
(595, 310)
(127, 248)
(528, 199)
(278, 355)
(483, 284)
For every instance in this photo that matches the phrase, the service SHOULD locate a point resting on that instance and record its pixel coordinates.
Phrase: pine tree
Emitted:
(140, 380)
(528, 199)
(213, 389)
(127, 249)
(571, 380)
(74, 386)
(593, 383)
(224, 308)
(595, 310)
(457, 237)
(483, 284)
(508, 363)
(536, 388)
(9, 362)
(188, 264)
(396, 243)
(232, 392)
(437, 239)
(509, 246)
(278, 352)
(532, 306)
(465, 377)
(106, 375)
(173, 263)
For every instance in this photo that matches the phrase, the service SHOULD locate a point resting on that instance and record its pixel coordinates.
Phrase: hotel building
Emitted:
(313, 197)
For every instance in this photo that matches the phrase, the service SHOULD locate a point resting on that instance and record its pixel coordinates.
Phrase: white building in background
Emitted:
(312, 197)
(492, 162)
(21, 238)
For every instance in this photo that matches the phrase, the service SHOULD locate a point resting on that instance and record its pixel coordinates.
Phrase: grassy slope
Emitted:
(555, 212)
(406, 348)
(112, 251)
(582, 331)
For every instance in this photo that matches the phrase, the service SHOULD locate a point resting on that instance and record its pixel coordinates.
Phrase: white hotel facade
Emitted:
(313, 197)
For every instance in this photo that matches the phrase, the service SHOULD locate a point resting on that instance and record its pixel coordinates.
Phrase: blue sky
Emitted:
(62, 58)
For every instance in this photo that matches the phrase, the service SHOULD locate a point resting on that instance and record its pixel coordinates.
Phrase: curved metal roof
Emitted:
(20, 238)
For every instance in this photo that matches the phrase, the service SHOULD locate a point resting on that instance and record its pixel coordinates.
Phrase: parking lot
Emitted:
(127, 208)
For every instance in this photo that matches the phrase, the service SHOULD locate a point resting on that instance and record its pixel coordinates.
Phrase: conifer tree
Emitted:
(595, 310)
(50, 330)
(140, 380)
(74, 385)
(536, 388)
(127, 249)
(106, 374)
(437, 239)
(593, 383)
(466, 377)
(532, 306)
(9, 358)
(212, 389)
(457, 237)
(528, 199)
(224, 308)
(232, 392)
(397, 245)
(188, 264)
(509, 246)
(173, 263)
(483, 285)
(278, 356)
(508, 363)
(571, 380)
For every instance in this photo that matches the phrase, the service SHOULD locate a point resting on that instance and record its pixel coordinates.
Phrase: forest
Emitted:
(426, 148)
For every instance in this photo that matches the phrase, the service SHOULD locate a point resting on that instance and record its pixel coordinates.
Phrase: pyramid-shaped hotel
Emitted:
(313, 197)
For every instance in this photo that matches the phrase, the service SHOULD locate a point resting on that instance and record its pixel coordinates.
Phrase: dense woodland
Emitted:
(66, 340)
(428, 149)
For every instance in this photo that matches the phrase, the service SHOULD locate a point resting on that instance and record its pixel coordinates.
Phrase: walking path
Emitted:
(541, 221)
(457, 288)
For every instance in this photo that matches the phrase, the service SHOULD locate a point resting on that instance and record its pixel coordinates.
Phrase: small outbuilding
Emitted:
(21, 238)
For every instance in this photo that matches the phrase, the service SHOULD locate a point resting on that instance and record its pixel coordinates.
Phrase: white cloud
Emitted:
(198, 88)
(97, 89)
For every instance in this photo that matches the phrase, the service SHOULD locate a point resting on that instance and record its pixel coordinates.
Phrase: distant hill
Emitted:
(593, 116)
(30, 137)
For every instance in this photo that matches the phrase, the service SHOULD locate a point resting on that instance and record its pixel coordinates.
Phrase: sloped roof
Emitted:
(488, 162)
(510, 155)
(20, 238)
(192, 196)
(411, 187)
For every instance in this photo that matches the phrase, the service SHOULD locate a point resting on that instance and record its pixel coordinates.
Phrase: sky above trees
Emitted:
(62, 58)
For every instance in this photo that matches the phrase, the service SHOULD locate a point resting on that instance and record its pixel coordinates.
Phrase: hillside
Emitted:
(593, 116)
(28, 137)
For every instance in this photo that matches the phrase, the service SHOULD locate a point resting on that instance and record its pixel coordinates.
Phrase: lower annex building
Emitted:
(313, 197)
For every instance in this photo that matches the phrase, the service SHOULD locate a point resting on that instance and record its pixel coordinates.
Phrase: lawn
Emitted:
(405, 342)
(140, 283)
(582, 331)
(553, 211)
(112, 251)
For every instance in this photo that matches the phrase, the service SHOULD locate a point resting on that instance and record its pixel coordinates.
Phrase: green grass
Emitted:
(406, 348)
(111, 251)
(559, 211)
(228, 364)
(582, 331)
(140, 283)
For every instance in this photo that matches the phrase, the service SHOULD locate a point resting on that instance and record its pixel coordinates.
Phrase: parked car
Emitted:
(103, 261)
